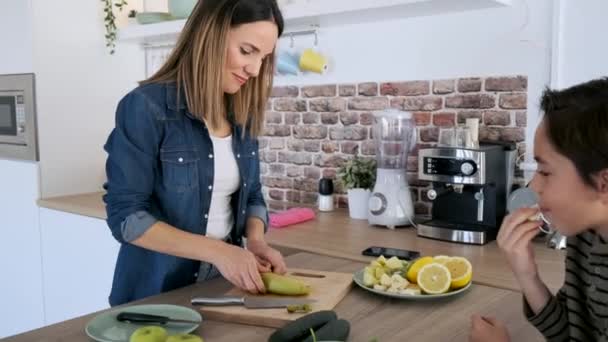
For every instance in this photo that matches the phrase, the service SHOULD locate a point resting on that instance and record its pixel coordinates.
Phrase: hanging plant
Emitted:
(110, 21)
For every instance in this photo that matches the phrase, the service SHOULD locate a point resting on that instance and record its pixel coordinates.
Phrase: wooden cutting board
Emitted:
(328, 291)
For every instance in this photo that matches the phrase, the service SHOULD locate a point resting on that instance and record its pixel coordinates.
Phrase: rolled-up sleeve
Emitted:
(131, 166)
(256, 205)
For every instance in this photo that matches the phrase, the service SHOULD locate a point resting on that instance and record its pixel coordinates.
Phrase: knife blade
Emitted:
(251, 302)
(135, 317)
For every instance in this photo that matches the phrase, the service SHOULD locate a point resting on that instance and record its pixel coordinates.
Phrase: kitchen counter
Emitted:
(87, 204)
(370, 315)
(336, 234)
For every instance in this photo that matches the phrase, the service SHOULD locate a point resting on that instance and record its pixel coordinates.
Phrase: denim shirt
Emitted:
(160, 168)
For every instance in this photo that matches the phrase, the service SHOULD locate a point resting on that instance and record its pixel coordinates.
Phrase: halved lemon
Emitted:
(434, 278)
(415, 266)
(442, 259)
(460, 270)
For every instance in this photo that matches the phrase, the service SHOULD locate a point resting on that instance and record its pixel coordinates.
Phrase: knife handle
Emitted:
(134, 317)
(217, 301)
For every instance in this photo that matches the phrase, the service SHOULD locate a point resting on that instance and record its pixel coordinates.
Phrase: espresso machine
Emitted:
(469, 191)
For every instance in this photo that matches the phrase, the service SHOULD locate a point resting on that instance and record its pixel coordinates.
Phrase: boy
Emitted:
(571, 149)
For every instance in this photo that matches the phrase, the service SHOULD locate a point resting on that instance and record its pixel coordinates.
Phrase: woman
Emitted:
(571, 148)
(183, 186)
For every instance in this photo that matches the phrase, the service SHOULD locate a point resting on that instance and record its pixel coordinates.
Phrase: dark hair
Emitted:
(577, 125)
(249, 11)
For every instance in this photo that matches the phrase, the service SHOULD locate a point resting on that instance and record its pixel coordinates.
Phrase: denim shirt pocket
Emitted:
(179, 169)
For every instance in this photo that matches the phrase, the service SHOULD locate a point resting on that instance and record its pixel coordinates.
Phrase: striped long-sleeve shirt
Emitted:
(579, 311)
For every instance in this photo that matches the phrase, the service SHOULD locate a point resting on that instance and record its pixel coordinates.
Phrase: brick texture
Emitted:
(310, 131)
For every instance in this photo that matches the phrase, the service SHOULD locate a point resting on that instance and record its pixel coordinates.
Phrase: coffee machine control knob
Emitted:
(377, 203)
(467, 168)
(431, 194)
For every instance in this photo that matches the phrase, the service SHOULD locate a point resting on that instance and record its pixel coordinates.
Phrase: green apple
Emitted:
(184, 338)
(150, 333)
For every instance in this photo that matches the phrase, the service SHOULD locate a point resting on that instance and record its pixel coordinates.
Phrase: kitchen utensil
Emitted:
(358, 279)
(106, 328)
(327, 291)
(390, 203)
(251, 302)
(136, 317)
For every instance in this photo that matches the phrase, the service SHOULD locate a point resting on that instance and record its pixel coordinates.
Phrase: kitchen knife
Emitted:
(251, 302)
(134, 317)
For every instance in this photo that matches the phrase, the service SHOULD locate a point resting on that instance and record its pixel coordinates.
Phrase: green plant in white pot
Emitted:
(358, 176)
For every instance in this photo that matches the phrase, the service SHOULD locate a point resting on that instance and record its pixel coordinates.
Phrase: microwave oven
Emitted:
(18, 132)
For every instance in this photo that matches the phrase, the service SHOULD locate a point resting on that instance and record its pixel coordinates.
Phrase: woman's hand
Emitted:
(514, 239)
(487, 329)
(269, 258)
(240, 267)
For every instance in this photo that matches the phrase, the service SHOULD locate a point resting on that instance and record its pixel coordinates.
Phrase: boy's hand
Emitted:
(487, 329)
(514, 237)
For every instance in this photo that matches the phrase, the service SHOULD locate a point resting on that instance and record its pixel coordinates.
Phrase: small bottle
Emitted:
(326, 194)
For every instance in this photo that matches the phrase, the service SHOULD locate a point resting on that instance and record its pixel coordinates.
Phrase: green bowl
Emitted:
(181, 9)
(152, 17)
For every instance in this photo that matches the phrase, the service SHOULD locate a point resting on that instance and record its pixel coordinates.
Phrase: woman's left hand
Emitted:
(488, 329)
(269, 258)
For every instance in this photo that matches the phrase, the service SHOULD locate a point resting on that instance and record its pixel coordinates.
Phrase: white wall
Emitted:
(581, 42)
(78, 86)
(16, 37)
(501, 41)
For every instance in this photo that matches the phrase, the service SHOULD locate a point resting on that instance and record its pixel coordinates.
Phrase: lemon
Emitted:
(441, 259)
(434, 278)
(415, 266)
(460, 270)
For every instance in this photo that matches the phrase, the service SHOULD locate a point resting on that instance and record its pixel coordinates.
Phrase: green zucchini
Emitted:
(336, 330)
(300, 328)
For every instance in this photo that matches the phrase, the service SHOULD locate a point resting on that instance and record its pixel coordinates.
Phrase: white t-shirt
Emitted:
(226, 181)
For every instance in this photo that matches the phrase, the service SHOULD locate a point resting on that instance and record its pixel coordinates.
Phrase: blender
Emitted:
(390, 203)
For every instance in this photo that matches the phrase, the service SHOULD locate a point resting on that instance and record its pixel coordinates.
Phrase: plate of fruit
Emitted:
(423, 278)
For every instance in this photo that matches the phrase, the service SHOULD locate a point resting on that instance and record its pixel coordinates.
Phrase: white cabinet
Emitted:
(21, 278)
(299, 13)
(78, 258)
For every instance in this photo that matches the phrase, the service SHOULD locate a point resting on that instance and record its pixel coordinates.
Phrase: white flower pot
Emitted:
(358, 203)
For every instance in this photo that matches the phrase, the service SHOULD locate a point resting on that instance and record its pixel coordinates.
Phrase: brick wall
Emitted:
(311, 130)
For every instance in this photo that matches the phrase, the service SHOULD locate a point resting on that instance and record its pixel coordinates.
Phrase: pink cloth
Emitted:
(291, 216)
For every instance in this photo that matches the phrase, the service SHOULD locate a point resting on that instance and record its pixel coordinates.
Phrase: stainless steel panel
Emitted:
(479, 178)
(454, 235)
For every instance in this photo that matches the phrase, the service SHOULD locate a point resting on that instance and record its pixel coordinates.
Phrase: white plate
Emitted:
(358, 279)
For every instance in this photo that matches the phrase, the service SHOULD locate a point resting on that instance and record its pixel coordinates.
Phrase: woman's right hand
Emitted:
(240, 267)
(514, 239)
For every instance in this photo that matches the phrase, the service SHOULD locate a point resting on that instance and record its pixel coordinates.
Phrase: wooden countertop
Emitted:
(87, 204)
(336, 234)
(370, 315)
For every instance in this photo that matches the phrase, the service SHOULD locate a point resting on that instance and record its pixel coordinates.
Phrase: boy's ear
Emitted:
(602, 181)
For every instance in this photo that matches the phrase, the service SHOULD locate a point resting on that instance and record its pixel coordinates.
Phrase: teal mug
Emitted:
(181, 9)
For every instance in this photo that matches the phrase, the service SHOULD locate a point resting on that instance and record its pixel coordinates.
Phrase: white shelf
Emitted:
(302, 13)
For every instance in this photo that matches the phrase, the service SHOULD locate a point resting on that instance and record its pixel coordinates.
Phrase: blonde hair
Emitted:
(198, 55)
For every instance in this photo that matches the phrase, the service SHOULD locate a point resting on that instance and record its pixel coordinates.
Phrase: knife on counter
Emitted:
(135, 317)
(251, 302)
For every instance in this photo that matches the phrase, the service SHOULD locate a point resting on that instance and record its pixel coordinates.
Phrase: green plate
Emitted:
(152, 17)
(358, 279)
(105, 328)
